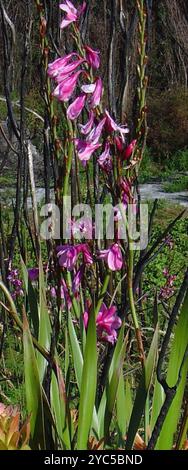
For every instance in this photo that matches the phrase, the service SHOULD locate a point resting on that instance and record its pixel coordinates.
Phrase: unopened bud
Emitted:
(43, 24)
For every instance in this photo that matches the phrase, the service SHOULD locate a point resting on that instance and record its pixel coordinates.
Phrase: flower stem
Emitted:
(102, 293)
(68, 163)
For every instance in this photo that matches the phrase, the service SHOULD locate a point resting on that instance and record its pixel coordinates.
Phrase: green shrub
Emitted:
(168, 123)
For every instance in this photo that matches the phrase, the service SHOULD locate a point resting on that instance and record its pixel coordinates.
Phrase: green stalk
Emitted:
(130, 289)
(68, 163)
(102, 293)
(74, 302)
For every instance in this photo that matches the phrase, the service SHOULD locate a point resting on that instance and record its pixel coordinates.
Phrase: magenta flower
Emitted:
(113, 257)
(113, 126)
(95, 133)
(129, 150)
(85, 319)
(33, 274)
(72, 14)
(86, 128)
(85, 149)
(93, 57)
(76, 107)
(82, 228)
(107, 323)
(78, 279)
(66, 72)
(126, 195)
(65, 89)
(61, 65)
(67, 255)
(84, 249)
(64, 294)
(119, 144)
(105, 159)
(96, 96)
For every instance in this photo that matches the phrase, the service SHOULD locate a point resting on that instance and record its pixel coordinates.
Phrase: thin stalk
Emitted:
(102, 293)
(69, 159)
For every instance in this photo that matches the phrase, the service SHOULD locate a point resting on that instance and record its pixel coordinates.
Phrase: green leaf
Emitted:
(179, 346)
(88, 385)
(142, 392)
(45, 330)
(124, 405)
(76, 351)
(78, 365)
(60, 408)
(111, 390)
(157, 401)
(113, 366)
(32, 299)
(33, 389)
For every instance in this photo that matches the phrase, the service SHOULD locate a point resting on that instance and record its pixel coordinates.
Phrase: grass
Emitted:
(152, 170)
(181, 184)
(174, 258)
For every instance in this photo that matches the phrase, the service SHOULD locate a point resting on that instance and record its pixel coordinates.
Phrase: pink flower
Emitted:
(64, 294)
(77, 279)
(126, 196)
(119, 143)
(113, 126)
(85, 149)
(95, 133)
(65, 89)
(67, 255)
(96, 96)
(86, 128)
(82, 228)
(129, 150)
(87, 254)
(84, 249)
(89, 88)
(72, 14)
(105, 159)
(53, 292)
(59, 65)
(93, 57)
(107, 323)
(66, 71)
(85, 319)
(113, 257)
(76, 107)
